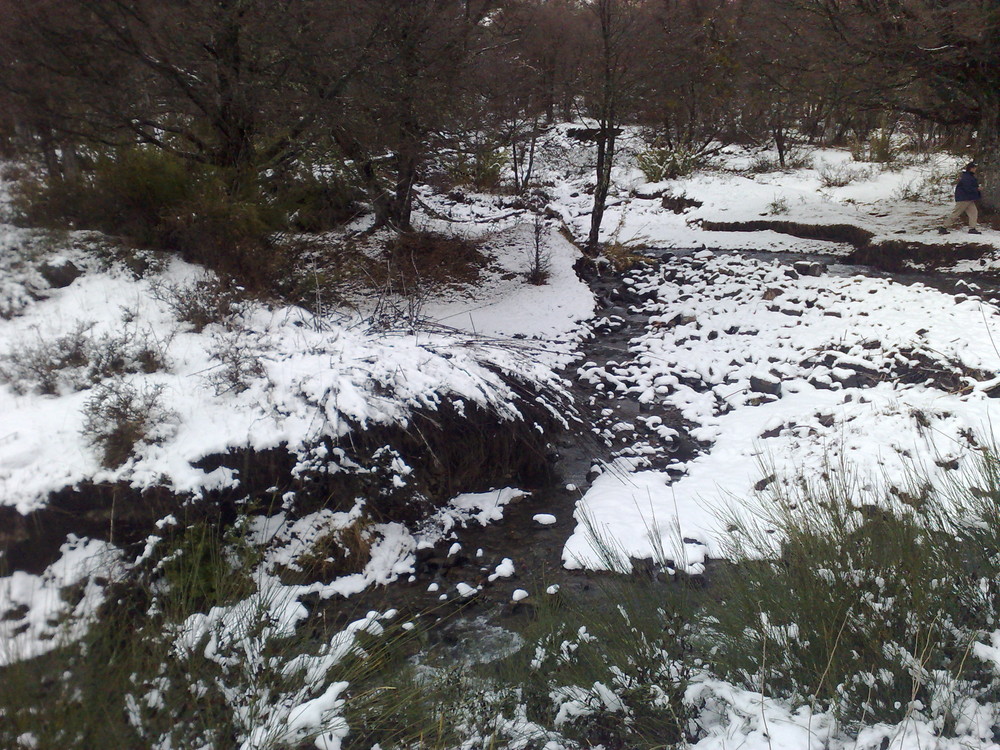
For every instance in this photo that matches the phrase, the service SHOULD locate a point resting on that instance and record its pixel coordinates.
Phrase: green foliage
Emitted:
(315, 197)
(124, 192)
(862, 607)
(608, 671)
(660, 163)
(202, 568)
(618, 679)
(189, 651)
(157, 200)
(480, 167)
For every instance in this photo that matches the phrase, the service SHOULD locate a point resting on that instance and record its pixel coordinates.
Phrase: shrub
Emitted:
(762, 163)
(935, 186)
(78, 360)
(658, 164)
(239, 363)
(853, 600)
(124, 192)
(227, 234)
(541, 261)
(192, 649)
(315, 197)
(798, 158)
(778, 206)
(880, 148)
(119, 416)
(419, 261)
(841, 175)
(479, 166)
(202, 302)
(338, 552)
(161, 201)
(608, 672)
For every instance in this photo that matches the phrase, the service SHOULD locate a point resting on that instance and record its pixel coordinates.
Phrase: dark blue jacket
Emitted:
(967, 188)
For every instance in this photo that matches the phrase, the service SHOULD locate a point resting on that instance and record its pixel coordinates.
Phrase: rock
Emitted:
(795, 313)
(762, 484)
(809, 268)
(765, 383)
(60, 275)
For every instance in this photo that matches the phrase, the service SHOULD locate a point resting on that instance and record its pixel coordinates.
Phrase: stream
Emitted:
(612, 427)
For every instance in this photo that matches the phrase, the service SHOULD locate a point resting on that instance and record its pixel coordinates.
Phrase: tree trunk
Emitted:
(988, 153)
(71, 163)
(52, 164)
(605, 159)
(234, 121)
(407, 159)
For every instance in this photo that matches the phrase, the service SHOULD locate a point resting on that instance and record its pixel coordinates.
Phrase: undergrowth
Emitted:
(865, 602)
(872, 605)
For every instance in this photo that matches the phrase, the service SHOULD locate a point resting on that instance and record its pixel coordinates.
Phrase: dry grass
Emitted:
(340, 552)
(426, 260)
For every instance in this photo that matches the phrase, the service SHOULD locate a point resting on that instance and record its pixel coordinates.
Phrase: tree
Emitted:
(613, 83)
(409, 89)
(936, 59)
(210, 82)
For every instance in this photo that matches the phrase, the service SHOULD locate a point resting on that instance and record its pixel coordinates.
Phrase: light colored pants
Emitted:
(965, 207)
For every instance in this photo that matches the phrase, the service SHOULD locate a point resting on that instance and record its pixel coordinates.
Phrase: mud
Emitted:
(892, 255)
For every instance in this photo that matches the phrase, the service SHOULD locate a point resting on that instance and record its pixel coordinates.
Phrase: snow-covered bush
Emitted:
(201, 302)
(658, 163)
(79, 359)
(866, 603)
(119, 416)
(841, 175)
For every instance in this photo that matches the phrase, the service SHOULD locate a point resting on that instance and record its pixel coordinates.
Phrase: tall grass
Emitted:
(844, 595)
(197, 649)
(865, 601)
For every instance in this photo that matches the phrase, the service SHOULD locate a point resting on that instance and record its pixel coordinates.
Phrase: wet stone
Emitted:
(809, 268)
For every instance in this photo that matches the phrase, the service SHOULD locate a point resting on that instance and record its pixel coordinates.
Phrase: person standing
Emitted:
(966, 195)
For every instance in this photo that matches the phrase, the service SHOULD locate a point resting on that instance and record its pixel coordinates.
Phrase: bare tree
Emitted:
(613, 84)
(935, 59)
(211, 82)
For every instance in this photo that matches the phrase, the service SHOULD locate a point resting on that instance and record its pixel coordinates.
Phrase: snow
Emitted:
(320, 376)
(48, 620)
(800, 341)
(818, 417)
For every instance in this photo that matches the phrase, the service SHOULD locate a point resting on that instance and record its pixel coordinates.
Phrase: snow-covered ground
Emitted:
(788, 377)
(793, 373)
